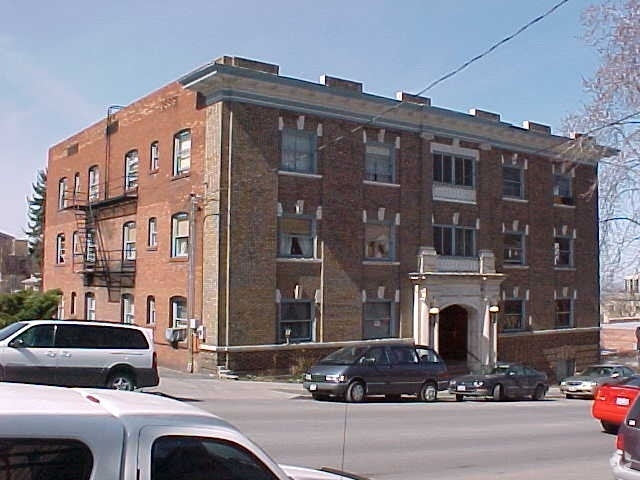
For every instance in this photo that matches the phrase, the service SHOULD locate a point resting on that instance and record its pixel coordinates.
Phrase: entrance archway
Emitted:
(453, 334)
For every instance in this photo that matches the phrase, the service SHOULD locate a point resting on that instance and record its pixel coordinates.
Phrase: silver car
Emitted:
(585, 383)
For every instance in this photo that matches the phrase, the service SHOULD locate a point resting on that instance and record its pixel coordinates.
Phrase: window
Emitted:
(296, 236)
(180, 235)
(60, 249)
(152, 236)
(74, 300)
(76, 188)
(182, 152)
(454, 170)
(129, 241)
(90, 255)
(377, 319)
(562, 252)
(76, 247)
(127, 309)
(379, 241)
(38, 336)
(47, 458)
(454, 241)
(512, 181)
(512, 315)
(298, 151)
(179, 312)
(151, 310)
(94, 183)
(89, 306)
(62, 193)
(296, 321)
(379, 163)
(198, 458)
(562, 192)
(513, 248)
(131, 170)
(154, 156)
(564, 313)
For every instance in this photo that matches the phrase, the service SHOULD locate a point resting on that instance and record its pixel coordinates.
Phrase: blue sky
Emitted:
(63, 63)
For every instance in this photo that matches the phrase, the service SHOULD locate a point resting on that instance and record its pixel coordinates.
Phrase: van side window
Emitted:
(376, 356)
(38, 336)
(87, 336)
(202, 458)
(404, 355)
(45, 459)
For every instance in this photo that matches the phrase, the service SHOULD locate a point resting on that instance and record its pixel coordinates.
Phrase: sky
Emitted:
(63, 63)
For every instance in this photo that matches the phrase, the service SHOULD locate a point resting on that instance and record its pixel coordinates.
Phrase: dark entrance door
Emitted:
(452, 334)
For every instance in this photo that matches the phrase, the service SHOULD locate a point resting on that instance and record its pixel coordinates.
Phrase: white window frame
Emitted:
(128, 309)
(154, 156)
(93, 190)
(179, 238)
(178, 308)
(455, 249)
(151, 310)
(152, 232)
(131, 161)
(182, 152)
(129, 241)
(60, 249)
(62, 193)
(90, 306)
(451, 169)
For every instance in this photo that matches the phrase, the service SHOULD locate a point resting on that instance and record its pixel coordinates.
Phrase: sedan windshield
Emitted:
(344, 356)
(500, 370)
(597, 371)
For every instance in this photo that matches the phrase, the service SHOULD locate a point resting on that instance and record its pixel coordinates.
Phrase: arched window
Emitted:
(76, 188)
(180, 235)
(94, 184)
(74, 301)
(178, 308)
(154, 156)
(129, 241)
(181, 152)
(62, 193)
(89, 306)
(131, 170)
(60, 249)
(152, 236)
(127, 308)
(151, 310)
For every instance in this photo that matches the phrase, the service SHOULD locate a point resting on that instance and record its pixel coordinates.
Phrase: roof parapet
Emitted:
(248, 63)
(476, 112)
(536, 127)
(410, 98)
(341, 83)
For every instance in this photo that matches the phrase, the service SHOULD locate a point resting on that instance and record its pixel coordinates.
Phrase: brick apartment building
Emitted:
(258, 221)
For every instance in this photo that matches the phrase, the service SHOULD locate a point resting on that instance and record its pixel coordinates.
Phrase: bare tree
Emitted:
(612, 116)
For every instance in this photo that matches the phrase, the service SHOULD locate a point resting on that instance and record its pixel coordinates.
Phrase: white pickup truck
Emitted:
(56, 433)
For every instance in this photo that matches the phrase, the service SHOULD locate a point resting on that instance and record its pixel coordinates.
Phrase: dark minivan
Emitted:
(381, 368)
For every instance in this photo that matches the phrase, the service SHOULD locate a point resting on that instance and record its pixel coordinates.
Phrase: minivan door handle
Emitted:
(51, 353)
(66, 354)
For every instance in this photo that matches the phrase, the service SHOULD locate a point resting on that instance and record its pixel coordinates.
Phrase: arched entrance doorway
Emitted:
(453, 334)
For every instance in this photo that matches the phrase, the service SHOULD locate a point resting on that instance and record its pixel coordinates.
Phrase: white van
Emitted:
(78, 354)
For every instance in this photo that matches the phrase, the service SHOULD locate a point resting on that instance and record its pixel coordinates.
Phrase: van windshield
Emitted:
(9, 330)
(344, 356)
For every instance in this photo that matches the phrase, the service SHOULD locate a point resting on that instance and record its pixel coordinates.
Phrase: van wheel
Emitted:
(428, 393)
(355, 392)
(121, 381)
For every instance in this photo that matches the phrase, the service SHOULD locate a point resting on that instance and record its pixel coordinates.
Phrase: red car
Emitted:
(612, 401)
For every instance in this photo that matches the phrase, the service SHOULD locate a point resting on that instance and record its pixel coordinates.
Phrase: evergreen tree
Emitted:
(35, 231)
(28, 305)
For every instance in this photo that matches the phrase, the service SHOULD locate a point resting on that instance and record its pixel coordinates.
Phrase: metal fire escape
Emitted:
(105, 265)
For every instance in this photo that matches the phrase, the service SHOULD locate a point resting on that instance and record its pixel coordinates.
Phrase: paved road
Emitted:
(472, 440)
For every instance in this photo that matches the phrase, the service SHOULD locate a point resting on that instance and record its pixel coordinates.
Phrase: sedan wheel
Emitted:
(428, 393)
(497, 393)
(538, 393)
(356, 392)
(459, 398)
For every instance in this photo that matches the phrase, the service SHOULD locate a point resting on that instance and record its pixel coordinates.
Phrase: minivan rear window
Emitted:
(44, 459)
(95, 336)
